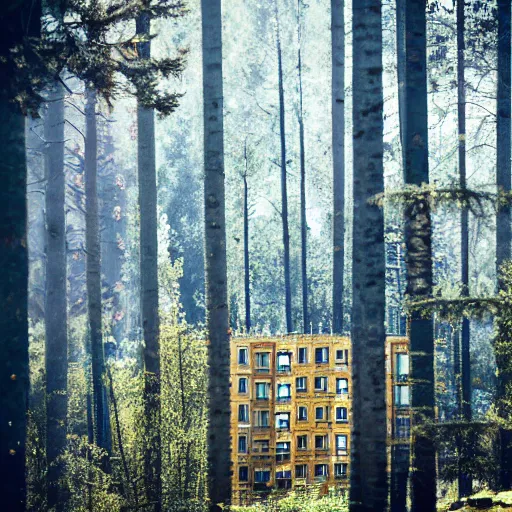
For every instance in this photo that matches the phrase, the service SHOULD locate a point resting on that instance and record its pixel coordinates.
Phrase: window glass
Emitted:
(303, 413)
(262, 446)
(322, 355)
(301, 471)
(261, 476)
(341, 414)
(262, 418)
(340, 470)
(242, 385)
(243, 413)
(403, 427)
(341, 442)
(242, 444)
(319, 413)
(302, 383)
(401, 396)
(320, 442)
(262, 390)
(243, 473)
(283, 420)
(283, 361)
(321, 383)
(402, 367)
(320, 469)
(283, 474)
(283, 392)
(302, 442)
(341, 386)
(243, 356)
(302, 355)
(342, 355)
(263, 360)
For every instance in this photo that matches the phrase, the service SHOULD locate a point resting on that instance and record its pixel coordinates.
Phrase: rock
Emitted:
(480, 502)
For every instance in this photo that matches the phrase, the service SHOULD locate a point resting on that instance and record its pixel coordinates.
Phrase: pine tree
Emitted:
(217, 315)
(56, 296)
(149, 286)
(368, 475)
(338, 160)
(418, 240)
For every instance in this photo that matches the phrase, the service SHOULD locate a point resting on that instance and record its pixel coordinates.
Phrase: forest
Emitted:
(180, 177)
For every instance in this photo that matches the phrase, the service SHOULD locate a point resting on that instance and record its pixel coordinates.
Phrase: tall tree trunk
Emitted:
(93, 273)
(284, 193)
(464, 405)
(247, 268)
(112, 195)
(503, 224)
(56, 298)
(338, 161)
(368, 475)
(400, 453)
(217, 315)
(418, 239)
(16, 23)
(14, 305)
(303, 218)
(149, 286)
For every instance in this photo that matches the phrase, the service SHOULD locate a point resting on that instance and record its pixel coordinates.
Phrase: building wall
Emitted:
(256, 457)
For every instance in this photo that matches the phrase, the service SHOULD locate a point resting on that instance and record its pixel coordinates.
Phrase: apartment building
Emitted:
(291, 410)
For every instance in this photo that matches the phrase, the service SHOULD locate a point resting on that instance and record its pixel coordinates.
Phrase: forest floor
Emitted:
(485, 500)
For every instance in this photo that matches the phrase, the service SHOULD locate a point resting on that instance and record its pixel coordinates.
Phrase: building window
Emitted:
(341, 444)
(243, 413)
(401, 396)
(243, 356)
(302, 442)
(261, 476)
(341, 386)
(320, 442)
(242, 385)
(342, 356)
(283, 362)
(262, 419)
(283, 420)
(301, 471)
(284, 479)
(341, 415)
(262, 361)
(403, 427)
(322, 355)
(284, 392)
(243, 473)
(340, 470)
(262, 390)
(321, 471)
(282, 451)
(320, 383)
(302, 413)
(319, 413)
(242, 444)
(301, 384)
(302, 355)
(261, 446)
(402, 367)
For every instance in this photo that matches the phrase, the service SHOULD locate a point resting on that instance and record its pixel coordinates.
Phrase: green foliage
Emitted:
(466, 447)
(83, 37)
(334, 501)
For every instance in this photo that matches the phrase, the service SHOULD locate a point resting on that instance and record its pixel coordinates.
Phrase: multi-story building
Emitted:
(291, 409)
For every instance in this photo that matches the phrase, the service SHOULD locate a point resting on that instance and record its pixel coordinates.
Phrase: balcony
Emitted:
(283, 399)
(262, 369)
(284, 368)
(402, 378)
